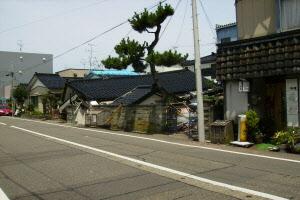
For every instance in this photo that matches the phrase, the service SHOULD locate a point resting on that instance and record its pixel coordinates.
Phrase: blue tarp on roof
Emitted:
(114, 72)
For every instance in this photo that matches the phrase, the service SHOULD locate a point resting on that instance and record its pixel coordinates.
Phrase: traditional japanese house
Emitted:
(261, 70)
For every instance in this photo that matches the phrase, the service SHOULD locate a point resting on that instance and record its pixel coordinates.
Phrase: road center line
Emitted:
(167, 142)
(158, 167)
(3, 123)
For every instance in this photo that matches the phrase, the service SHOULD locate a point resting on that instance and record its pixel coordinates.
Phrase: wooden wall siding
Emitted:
(278, 54)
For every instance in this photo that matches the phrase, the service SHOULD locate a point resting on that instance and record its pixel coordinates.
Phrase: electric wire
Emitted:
(165, 28)
(208, 19)
(127, 34)
(50, 17)
(130, 30)
(182, 24)
(86, 42)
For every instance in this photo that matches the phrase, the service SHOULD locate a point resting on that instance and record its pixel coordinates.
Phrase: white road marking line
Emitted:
(158, 167)
(3, 123)
(172, 143)
(3, 195)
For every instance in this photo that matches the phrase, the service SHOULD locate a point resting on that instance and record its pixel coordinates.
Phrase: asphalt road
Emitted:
(47, 161)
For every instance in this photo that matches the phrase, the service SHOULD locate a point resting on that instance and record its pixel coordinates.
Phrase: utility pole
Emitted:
(11, 94)
(200, 113)
(11, 74)
(91, 54)
(20, 44)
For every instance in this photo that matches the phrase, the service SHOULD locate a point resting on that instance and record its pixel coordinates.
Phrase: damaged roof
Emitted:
(133, 96)
(51, 81)
(180, 81)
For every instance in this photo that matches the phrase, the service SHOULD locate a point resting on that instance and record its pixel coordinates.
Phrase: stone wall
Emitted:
(138, 118)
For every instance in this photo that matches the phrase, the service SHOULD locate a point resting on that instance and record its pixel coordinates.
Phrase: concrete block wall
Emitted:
(142, 118)
(208, 117)
(139, 118)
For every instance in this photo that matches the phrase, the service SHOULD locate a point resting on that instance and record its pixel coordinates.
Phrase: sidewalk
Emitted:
(183, 139)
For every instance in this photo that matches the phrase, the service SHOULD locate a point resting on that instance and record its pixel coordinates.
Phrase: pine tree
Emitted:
(140, 56)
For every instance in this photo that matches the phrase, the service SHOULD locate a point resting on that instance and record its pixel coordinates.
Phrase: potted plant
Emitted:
(280, 139)
(259, 137)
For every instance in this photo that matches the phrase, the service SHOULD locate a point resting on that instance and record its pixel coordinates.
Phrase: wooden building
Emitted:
(261, 70)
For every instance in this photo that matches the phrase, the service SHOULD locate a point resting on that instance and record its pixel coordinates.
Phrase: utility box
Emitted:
(221, 132)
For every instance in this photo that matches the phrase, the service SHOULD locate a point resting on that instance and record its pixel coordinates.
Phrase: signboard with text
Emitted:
(244, 86)
(292, 105)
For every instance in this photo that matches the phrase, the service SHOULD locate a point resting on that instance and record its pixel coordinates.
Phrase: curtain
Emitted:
(290, 14)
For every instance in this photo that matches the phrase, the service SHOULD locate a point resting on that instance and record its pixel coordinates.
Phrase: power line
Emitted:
(165, 28)
(181, 27)
(88, 41)
(130, 30)
(79, 45)
(49, 17)
(128, 33)
(208, 20)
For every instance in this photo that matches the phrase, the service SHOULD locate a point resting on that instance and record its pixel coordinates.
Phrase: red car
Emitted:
(5, 111)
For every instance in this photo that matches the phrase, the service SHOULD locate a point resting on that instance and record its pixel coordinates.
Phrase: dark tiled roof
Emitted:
(220, 26)
(51, 81)
(94, 76)
(180, 81)
(134, 95)
(72, 78)
(204, 60)
(272, 55)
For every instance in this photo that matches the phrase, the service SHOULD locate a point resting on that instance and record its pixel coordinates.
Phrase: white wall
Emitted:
(7, 91)
(37, 83)
(236, 102)
(165, 69)
(80, 117)
(153, 100)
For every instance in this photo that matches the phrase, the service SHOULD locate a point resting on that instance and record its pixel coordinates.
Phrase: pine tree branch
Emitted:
(150, 31)
(155, 41)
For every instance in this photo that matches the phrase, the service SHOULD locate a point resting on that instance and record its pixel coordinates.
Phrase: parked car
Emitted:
(5, 111)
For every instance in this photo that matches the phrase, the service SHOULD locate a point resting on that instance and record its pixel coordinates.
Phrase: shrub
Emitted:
(289, 137)
(252, 124)
(37, 113)
(20, 94)
(30, 107)
(281, 137)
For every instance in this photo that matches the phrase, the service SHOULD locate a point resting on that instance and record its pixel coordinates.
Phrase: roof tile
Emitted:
(51, 81)
(180, 81)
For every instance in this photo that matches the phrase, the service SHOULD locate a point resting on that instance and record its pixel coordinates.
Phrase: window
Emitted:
(74, 75)
(34, 101)
(290, 14)
(224, 40)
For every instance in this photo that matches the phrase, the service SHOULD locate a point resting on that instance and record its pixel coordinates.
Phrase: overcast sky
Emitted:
(54, 26)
